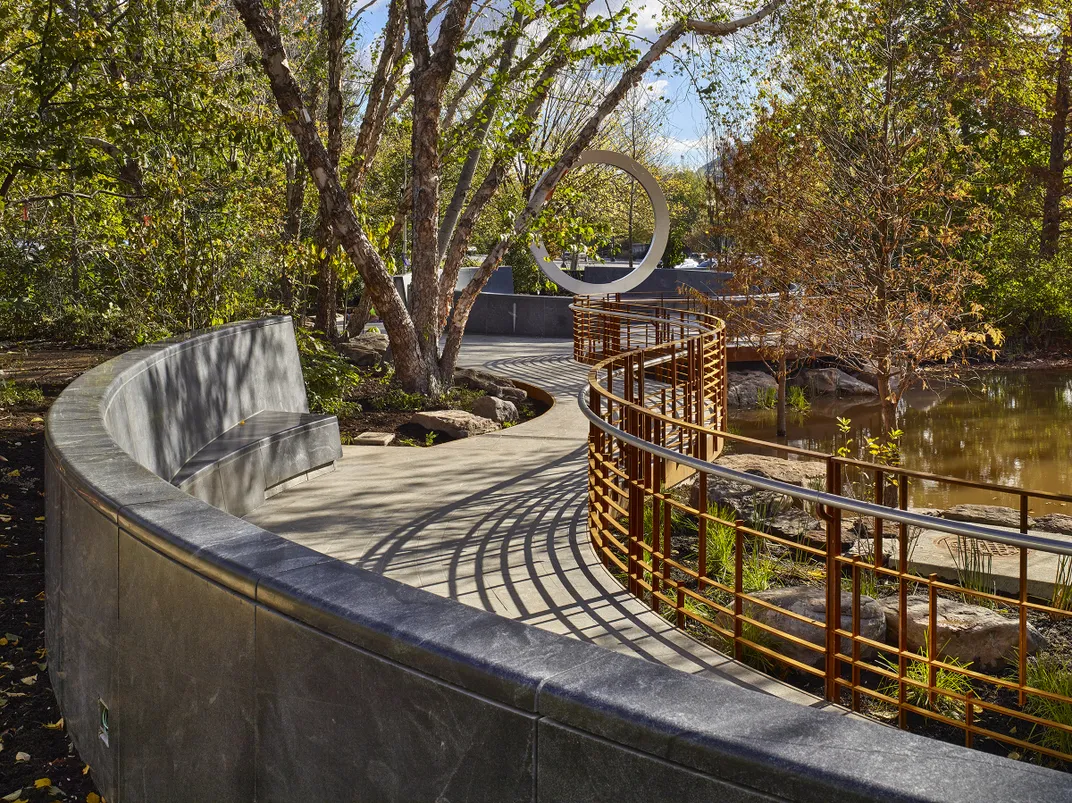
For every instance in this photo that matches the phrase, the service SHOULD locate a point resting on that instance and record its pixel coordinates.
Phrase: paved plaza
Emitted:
(496, 522)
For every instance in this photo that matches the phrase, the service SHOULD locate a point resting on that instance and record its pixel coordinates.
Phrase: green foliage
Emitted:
(14, 394)
(397, 399)
(767, 398)
(844, 426)
(1048, 672)
(797, 400)
(329, 377)
(945, 680)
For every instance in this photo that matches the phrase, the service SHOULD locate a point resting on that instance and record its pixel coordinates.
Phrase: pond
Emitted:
(1003, 426)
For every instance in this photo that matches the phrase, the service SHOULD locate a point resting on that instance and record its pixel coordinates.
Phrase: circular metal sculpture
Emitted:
(658, 238)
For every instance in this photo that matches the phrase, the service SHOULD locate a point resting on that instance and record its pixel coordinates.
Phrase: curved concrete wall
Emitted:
(238, 666)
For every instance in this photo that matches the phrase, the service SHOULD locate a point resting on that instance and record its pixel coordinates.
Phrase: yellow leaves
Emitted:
(39, 518)
(37, 420)
(54, 726)
(29, 680)
(41, 783)
(85, 770)
(92, 797)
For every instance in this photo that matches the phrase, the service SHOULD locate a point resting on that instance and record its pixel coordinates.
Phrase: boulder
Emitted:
(992, 515)
(1054, 523)
(805, 473)
(745, 502)
(474, 379)
(810, 601)
(367, 350)
(832, 382)
(752, 504)
(745, 388)
(864, 526)
(871, 378)
(513, 394)
(970, 633)
(793, 523)
(455, 423)
(498, 410)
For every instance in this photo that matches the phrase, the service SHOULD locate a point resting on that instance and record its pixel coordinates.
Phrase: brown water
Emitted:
(1005, 427)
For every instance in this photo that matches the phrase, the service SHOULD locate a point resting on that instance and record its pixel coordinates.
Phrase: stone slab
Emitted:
(374, 439)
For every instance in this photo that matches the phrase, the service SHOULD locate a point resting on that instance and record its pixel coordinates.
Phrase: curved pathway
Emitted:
(496, 522)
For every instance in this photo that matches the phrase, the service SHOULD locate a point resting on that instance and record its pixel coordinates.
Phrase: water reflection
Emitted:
(1008, 427)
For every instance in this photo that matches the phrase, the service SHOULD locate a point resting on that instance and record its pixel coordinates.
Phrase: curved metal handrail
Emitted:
(645, 439)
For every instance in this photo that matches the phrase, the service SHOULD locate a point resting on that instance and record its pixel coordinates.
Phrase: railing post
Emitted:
(833, 578)
(1023, 602)
(932, 638)
(738, 589)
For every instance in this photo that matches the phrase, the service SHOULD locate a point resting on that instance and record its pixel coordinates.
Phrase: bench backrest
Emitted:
(163, 410)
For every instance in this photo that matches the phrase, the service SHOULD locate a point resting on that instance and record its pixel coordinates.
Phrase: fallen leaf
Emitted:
(39, 518)
(85, 770)
(4, 518)
(13, 796)
(37, 420)
(12, 638)
(41, 783)
(20, 756)
(92, 797)
(55, 726)
(29, 680)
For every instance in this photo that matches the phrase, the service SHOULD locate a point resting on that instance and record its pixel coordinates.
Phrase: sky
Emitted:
(685, 123)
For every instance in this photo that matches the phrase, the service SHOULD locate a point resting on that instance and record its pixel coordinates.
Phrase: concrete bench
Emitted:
(259, 457)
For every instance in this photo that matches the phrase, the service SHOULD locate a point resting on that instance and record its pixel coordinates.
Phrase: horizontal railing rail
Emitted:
(656, 402)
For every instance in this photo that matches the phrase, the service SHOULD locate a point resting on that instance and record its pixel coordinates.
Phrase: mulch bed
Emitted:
(36, 755)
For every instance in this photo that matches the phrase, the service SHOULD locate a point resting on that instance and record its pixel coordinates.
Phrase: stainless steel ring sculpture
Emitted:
(658, 240)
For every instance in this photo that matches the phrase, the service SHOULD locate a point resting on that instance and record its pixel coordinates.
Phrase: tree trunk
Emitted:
(359, 316)
(889, 404)
(344, 222)
(1055, 173)
(782, 401)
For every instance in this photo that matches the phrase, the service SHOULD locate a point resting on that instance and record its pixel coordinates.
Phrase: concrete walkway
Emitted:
(496, 522)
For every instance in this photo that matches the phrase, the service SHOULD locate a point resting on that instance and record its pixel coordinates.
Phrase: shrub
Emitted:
(947, 682)
(1047, 672)
(13, 394)
(329, 377)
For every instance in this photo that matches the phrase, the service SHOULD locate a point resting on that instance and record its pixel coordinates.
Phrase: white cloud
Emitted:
(649, 18)
(681, 151)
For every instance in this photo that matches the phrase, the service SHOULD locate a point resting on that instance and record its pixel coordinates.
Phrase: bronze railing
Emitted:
(656, 400)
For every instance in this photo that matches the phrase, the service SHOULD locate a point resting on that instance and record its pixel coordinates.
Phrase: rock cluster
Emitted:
(367, 350)
(497, 407)
(496, 386)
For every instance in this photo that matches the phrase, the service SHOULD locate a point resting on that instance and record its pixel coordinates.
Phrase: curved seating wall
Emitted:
(238, 666)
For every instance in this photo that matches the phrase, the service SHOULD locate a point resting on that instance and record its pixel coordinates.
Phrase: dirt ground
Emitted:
(37, 760)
